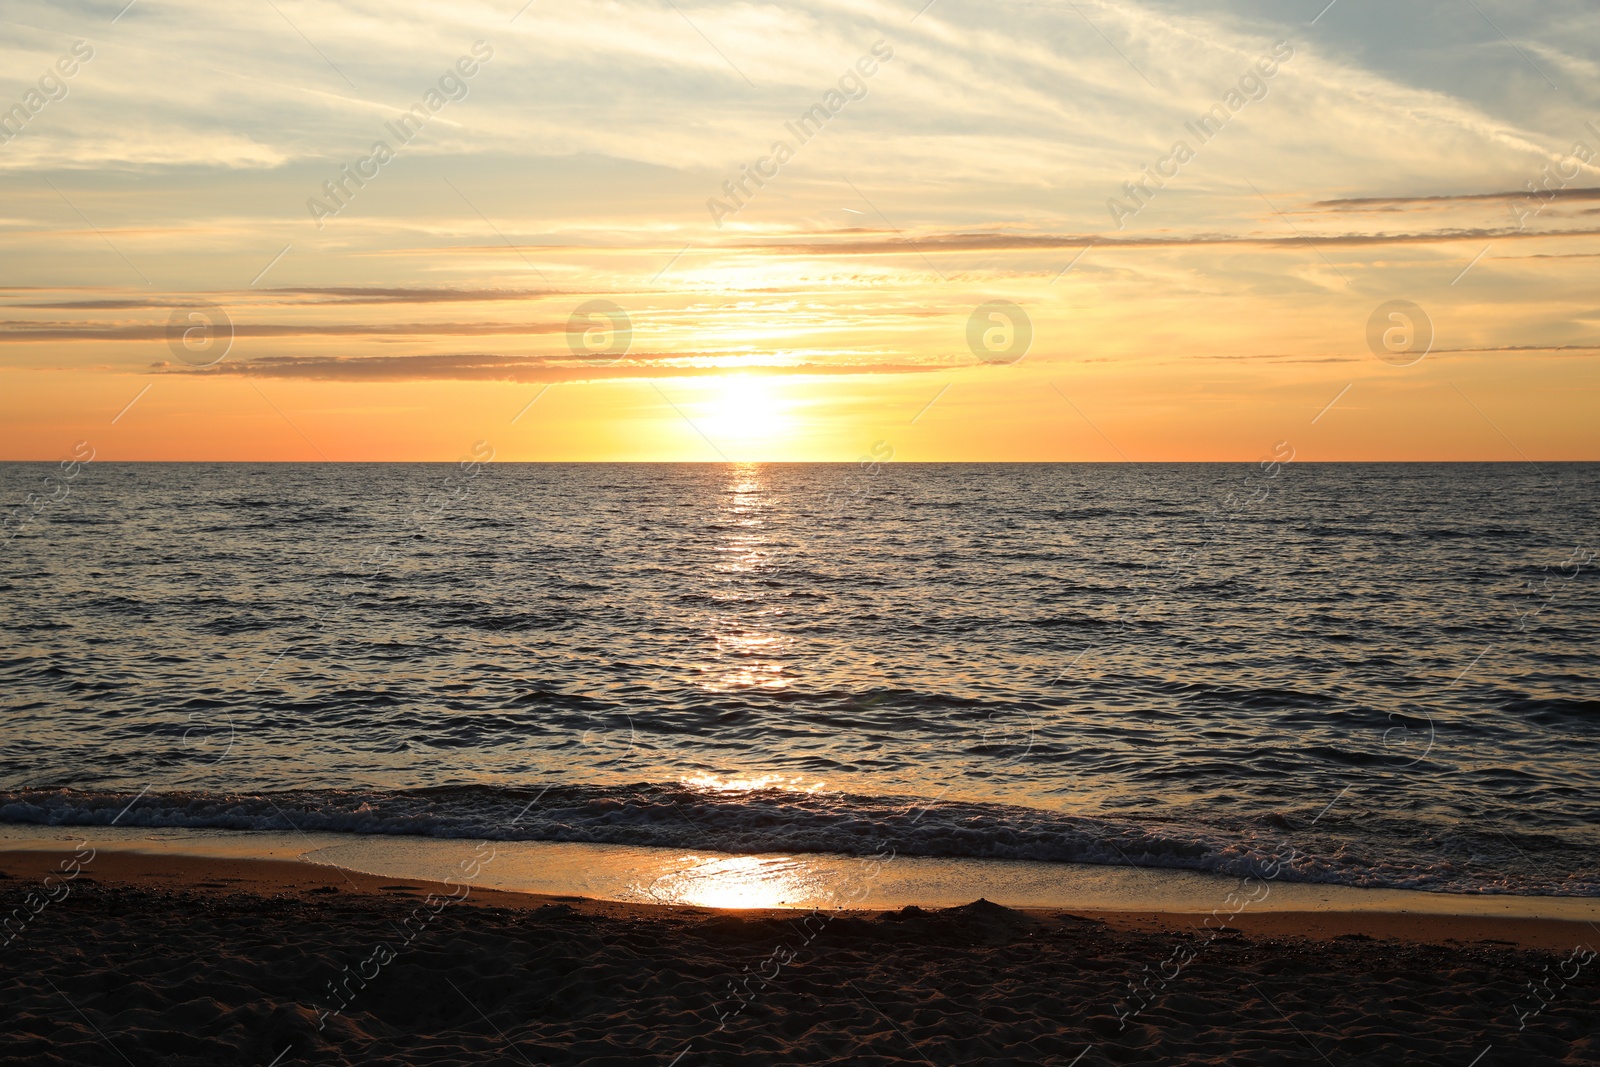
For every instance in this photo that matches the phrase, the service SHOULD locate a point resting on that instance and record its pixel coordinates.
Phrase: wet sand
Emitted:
(201, 960)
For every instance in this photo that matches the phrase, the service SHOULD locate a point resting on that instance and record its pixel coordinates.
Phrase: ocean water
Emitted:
(1370, 675)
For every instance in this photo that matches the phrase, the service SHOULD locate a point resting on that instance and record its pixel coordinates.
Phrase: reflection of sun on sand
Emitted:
(733, 882)
(741, 881)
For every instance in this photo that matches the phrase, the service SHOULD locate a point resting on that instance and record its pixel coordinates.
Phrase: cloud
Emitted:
(405, 295)
(471, 366)
(320, 295)
(972, 242)
(1359, 202)
(14, 331)
(1280, 357)
(1525, 348)
(1283, 357)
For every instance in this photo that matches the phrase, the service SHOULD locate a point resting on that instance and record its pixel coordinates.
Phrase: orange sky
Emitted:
(986, 158)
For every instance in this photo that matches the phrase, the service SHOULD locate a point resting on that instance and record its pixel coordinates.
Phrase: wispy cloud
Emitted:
(971, 242)
(336, 295)
(1586, 193)
(488, 367)
(13, 331)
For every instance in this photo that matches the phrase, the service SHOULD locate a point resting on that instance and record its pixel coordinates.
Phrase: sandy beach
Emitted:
(182, 960)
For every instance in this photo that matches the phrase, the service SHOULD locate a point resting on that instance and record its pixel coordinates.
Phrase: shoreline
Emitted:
(266, 877)
(802, 881)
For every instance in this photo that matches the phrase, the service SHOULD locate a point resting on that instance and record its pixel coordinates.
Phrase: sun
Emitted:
(746, 408)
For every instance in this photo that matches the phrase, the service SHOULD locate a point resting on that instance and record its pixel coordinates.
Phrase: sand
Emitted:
(145, 959)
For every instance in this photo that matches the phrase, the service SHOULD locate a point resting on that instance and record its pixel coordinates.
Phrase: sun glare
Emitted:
(747, 408)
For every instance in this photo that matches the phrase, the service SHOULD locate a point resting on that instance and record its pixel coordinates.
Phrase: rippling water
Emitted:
(1385, 672)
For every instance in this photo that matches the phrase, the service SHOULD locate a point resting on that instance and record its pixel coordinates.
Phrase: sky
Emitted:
(974, 231)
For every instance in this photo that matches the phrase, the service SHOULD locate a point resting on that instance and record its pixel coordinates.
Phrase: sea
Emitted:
(1364, 675)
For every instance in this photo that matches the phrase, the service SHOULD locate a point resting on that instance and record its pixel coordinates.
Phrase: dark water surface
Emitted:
(1387, 673)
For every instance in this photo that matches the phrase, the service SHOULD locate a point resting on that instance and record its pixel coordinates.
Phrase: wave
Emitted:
(776, 820)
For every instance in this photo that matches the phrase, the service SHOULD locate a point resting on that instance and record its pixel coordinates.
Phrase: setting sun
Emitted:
(746, 409)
